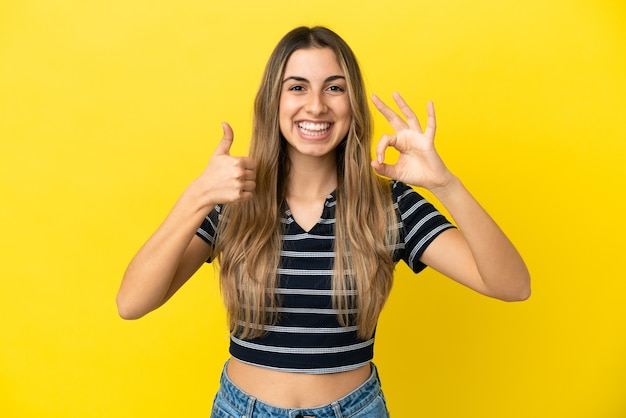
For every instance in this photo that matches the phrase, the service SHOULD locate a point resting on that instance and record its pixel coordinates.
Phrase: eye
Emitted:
(296, 87)
(335, 88)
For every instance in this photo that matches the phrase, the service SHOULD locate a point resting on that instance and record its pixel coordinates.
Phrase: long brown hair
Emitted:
(249, 236)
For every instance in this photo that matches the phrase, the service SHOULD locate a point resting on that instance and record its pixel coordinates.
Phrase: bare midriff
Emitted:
(295, 390)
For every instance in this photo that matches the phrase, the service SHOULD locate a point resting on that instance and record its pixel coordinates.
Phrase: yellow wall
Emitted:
(109, 108)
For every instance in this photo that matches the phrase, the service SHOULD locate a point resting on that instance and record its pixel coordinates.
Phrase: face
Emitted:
(314, 111)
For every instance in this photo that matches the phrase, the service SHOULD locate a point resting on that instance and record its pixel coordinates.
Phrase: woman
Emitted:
(307, 231)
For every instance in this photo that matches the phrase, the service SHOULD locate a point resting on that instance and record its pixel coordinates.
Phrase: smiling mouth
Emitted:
(314, 129)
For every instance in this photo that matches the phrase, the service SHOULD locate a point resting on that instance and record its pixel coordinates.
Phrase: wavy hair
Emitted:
(249, 236)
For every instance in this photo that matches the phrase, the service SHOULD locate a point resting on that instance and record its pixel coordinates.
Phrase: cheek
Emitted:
(285, 109)
(284, 121)
(285, 126)
(282, 111)
(346, 128)
(346, 115)
(346, 111)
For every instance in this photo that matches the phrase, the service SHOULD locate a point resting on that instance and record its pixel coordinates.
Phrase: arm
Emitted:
(174, 253)
(478, 254)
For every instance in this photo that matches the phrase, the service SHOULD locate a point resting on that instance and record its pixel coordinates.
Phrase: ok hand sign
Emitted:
(418, 163)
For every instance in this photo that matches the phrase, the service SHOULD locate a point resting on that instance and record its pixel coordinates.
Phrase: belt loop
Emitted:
(250, 408)
(337, 408)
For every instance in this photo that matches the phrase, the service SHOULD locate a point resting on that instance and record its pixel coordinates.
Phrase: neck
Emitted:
(312, 177)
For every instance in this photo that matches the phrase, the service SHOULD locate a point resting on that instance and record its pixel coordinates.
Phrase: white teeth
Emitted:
(311, 128)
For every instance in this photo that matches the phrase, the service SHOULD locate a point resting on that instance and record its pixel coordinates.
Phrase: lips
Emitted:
(314, 128)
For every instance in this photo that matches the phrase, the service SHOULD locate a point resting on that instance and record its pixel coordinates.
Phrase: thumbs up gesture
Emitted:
(227, 179)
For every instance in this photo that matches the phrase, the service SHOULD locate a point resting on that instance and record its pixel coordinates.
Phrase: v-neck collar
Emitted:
(327, 213)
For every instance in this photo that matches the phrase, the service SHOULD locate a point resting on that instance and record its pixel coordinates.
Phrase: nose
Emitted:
(315, 104)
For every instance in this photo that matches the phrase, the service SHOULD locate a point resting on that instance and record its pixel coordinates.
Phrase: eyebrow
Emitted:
(302, 79)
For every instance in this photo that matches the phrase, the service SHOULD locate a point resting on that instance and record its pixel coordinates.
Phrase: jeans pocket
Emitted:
(223, 409)
(381, 395)
(376, 408)
(384, 411)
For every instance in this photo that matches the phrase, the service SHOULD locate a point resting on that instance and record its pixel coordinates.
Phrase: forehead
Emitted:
(311, 62)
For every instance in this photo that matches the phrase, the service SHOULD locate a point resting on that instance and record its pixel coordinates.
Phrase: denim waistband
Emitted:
(348, 405)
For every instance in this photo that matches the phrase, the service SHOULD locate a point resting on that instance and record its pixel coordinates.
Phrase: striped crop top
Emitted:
(308, 337)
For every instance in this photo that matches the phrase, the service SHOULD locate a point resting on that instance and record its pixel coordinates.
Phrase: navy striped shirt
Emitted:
(308, 337)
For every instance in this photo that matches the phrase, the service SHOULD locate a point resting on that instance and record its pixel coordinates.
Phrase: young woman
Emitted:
(307, 230)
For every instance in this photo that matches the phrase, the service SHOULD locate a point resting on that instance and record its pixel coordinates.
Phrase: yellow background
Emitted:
(108, 109)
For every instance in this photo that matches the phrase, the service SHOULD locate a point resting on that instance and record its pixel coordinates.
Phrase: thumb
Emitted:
(227, 140)
(383, 169)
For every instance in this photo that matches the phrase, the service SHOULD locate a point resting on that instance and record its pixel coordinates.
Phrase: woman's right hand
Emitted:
(174, 253)
(227, 179)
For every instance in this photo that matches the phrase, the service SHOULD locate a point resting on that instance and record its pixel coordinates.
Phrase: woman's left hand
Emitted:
(477, 254)
(419, 163)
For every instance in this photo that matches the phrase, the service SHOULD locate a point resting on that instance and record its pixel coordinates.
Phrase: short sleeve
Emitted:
(208, 229)
(419, 223)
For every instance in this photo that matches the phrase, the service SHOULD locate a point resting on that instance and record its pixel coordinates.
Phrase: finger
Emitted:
(384, 170)
(249, 164)
(384, 142)
(247, 190)
(249, 186)
(406, 110)
(396, 122)
(432, 120)
(247, 175)
(245, 195)
(224, 145)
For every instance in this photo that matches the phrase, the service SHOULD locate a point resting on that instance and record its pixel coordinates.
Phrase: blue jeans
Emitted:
(366, 401)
